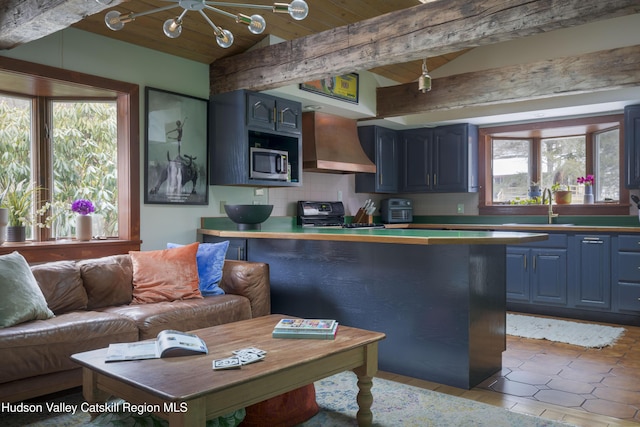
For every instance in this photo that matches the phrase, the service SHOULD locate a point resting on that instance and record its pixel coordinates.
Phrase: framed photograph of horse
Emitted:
(175, 150)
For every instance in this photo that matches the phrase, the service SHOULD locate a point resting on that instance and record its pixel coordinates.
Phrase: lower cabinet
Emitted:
(537, 275)
(592, 287)
(626, 275)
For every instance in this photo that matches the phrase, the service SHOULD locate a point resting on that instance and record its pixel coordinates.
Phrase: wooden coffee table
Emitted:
(162, 385)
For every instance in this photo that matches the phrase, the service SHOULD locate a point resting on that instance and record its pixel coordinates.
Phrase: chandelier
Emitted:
(297, 9)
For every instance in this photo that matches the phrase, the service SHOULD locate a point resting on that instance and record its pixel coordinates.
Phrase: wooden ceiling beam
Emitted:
(427, 30)
(604, 70)
(23, 21)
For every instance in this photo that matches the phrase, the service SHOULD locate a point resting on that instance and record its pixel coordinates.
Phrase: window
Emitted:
(84, 154)
(75, 135)
(517, 157)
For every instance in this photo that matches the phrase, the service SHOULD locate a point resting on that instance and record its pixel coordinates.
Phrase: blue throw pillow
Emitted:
(210, 259)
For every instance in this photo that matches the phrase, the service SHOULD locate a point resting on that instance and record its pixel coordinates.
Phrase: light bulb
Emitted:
(225, 39)
(113, 21)
(257, 25)
(172, 28)
(298, 9)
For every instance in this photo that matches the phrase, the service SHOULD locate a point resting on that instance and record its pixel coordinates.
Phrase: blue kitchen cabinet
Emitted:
(537, 272)
(592, 264)
(442, 159)
(632, 146)
(381, 146)
(626, 275)
(273, 113)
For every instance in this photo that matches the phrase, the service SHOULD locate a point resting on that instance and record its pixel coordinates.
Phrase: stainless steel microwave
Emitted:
(269, 164)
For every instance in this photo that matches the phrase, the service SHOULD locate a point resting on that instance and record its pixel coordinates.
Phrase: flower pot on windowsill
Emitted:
(563, 197)
(588, 195)
(16, 233)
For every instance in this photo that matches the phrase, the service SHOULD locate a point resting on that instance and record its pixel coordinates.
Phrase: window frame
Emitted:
(42, 83)
(536, 131)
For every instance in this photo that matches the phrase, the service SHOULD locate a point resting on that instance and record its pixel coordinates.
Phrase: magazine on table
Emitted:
(169, 343)
(321, 329)
(322, 326)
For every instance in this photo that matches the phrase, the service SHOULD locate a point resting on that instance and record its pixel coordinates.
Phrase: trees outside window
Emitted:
(515, 157)
(83, 144)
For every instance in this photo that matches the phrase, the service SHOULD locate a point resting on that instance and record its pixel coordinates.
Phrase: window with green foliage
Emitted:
(522, 160)
(81, 140)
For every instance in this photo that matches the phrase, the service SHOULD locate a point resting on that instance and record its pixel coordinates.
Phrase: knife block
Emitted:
(362, 218)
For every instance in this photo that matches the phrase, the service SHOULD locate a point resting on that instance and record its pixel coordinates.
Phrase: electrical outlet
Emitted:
(222, 203)
(460, 208)
(339, 195)
(258, 192)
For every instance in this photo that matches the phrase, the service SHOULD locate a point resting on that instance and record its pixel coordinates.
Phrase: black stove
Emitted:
(326, 214)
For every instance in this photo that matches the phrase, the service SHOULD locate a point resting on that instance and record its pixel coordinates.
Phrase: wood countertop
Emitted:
(524, 227)
(396, 235)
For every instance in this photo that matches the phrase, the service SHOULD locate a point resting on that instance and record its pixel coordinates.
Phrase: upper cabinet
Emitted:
(632, 146)
(241, 121)
(442, 159)
(272, 113)
(381, 146)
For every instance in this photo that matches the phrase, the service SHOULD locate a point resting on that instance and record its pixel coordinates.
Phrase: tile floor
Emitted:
(599, 381)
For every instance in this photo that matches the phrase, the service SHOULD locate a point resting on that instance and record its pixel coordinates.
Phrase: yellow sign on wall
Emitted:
(343, 87)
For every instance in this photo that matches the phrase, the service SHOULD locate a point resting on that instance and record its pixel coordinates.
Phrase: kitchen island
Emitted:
(438, 295)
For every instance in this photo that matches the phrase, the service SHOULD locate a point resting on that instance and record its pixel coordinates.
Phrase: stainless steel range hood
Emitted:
(330, 144)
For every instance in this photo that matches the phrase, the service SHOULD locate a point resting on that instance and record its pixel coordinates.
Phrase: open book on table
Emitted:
(168, 343)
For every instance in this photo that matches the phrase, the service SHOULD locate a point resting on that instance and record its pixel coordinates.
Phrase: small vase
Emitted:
(16, 233)
(83, 227)
(588, 195)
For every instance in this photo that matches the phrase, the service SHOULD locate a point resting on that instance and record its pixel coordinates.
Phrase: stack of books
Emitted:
(318, 329)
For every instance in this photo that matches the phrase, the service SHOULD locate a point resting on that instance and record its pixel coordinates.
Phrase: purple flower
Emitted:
(586, 180)
(83, 207)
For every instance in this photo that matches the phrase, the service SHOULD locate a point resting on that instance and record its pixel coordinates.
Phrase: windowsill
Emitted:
(69, 249)
(575, 209)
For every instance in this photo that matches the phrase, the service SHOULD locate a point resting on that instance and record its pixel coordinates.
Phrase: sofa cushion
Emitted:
(61, 285)
(184, 315)
(165, 275)
(22, 299)
(108, 280)
(44, 346)
(210, 259)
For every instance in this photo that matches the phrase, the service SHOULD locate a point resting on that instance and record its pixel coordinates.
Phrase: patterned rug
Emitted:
(576, 333)
(394, 405)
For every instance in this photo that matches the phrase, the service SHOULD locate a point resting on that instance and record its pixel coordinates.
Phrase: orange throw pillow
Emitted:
(165, 275)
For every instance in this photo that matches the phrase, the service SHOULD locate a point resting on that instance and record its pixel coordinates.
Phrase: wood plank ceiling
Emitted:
(197, 41)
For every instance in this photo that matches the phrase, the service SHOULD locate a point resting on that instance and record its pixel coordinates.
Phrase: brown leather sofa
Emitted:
(90, 299)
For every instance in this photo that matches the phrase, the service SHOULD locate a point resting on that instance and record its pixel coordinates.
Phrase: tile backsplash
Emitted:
(330, 187)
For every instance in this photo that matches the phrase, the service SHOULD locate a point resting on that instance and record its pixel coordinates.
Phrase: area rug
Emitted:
(394, 405)
(582, 334)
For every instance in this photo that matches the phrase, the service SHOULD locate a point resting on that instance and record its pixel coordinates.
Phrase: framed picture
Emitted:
(175, 150)
(344, 88)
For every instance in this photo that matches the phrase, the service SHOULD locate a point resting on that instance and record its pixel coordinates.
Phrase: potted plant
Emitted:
(561, 193)
(17, 199)
(83, 208)
(588, 182)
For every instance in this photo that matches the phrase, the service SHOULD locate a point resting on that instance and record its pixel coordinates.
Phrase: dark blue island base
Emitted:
(442, 307)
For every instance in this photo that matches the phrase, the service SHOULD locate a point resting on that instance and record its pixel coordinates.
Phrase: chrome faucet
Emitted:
(550, 215)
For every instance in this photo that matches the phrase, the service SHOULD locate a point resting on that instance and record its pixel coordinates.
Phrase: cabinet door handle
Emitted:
(428, 179)
(534, 262)
(435, 179)
(525, 263)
